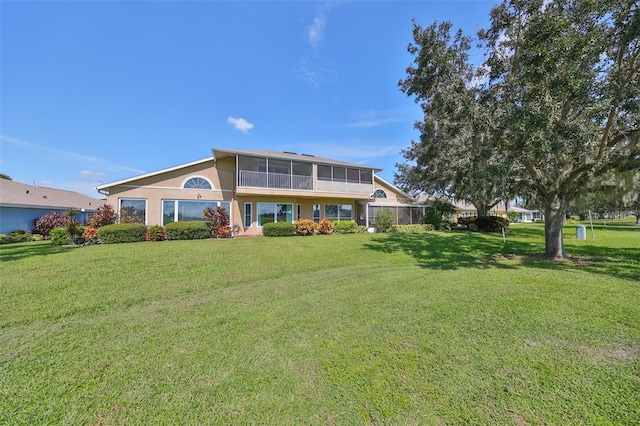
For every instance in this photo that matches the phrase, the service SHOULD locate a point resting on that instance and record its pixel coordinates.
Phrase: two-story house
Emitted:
(258, 187)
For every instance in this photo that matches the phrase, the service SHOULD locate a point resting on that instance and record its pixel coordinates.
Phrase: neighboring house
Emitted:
(464, 209)
(21, 204)
(258, 187)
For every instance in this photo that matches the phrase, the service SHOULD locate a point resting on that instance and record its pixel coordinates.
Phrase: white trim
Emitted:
(146, 175)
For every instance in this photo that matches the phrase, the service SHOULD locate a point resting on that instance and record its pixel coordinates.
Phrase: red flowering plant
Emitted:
(224, 232)
(90, 234)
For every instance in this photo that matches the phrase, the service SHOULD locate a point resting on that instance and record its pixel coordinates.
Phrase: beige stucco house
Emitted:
(258, 187)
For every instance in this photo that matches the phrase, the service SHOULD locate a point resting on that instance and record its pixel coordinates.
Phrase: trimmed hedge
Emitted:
(59, 236)
(485, 223)
(345, 227)
(412, 229)
(278, 229)
(191, 230)
(122, 233)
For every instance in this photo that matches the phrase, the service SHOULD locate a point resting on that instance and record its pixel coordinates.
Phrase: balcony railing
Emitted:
(251, 179)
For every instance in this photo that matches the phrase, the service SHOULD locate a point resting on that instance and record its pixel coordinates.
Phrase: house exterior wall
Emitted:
(24, 218)
(221, 173)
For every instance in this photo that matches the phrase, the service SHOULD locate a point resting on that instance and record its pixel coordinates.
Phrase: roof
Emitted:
(222, 153)
(15, 194)
(157, 172)
(285, 155)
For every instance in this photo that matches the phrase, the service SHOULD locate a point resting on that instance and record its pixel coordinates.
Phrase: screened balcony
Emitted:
(248, 178)
(255, 172)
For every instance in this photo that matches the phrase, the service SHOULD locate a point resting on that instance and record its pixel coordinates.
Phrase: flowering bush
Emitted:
(46, 223)
(104, 215)
(155, 233)
(90, 233)
(304, 227)
(224, 231)
(325, 227)
(216, 218)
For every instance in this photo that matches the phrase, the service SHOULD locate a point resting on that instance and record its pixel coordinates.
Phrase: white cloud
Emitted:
(315, 32)
(89, 175)
(240, 124)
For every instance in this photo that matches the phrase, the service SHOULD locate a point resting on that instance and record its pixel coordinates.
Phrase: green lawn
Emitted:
(436, 328)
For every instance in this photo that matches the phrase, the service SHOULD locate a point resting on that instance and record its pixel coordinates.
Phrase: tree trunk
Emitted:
(553, 222)
(637, 218)
(482, 210)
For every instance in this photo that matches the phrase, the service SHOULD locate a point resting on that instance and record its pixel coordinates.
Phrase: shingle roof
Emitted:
(220, 152)
(15, 194)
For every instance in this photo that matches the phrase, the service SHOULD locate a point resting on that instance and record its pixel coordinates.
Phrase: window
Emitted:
(247, 215)
(197, 183)
(134, 208)
(187, 210)
(353, 175)
(342, 174)
(379, 194)
(316, 212)
(338, 211)
(274, 212)
(324, 172)
(298, 212)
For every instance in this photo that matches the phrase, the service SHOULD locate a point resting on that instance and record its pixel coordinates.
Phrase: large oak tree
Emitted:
(554, 107)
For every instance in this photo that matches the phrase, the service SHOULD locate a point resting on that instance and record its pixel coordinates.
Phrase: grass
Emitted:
(436, 328)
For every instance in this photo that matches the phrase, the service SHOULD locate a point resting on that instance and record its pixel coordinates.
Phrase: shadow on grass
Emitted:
(9, 252)
(457, 250)
(446, 251)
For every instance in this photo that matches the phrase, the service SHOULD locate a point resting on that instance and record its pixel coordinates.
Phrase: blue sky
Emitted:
(97, 91)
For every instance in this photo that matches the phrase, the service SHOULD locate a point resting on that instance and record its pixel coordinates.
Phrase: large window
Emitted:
(187, 210)
(338, 211)
(133, 208)
(316, 212)
(274, 212)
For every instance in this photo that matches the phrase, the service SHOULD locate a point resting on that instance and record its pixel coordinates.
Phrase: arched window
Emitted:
(197, 183)
(379, 193)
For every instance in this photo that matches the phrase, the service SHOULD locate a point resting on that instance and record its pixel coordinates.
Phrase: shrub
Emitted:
(304, 227)
(19, 236)
(384, 220)
(345, 227)
(464, 222)
(443, 225)
(216, 218)
(324, 227)
(59, 236)
(491, 223)
(4, 239)
(37, 237)
(155, 233)
(122, 233)
(46, 223)
(104, 215)
(89, 233)
(412, 229)
(361, 229)
(190, 230)
(278, 229)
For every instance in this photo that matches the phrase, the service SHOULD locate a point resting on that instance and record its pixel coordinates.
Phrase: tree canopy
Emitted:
(554, 107)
